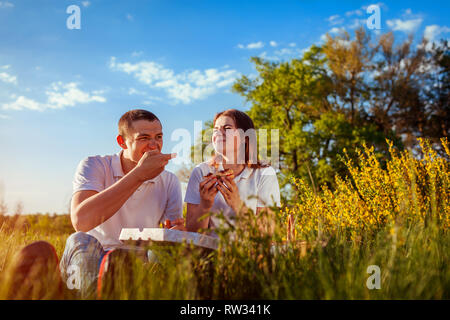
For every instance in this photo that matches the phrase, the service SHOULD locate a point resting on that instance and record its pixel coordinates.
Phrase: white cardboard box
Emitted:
(167, 235)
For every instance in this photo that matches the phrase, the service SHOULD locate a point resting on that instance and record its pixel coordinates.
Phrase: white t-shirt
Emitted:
(153, 202)
(258, 188)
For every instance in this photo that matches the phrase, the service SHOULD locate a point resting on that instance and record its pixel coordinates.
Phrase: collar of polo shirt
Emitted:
(118, 172)
(244, 174)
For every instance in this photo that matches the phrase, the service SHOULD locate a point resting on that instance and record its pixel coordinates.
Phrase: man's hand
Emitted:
(177, 224)
(152, 164)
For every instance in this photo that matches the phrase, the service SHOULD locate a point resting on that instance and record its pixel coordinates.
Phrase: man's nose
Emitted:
(152, 145)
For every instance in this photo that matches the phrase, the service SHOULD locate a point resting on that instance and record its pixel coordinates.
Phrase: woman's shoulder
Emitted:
(202, 169)
(266, 170)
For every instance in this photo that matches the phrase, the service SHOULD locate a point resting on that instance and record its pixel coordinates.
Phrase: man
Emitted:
(129, 189)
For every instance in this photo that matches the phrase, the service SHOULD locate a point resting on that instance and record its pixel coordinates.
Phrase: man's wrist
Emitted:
(136, 175)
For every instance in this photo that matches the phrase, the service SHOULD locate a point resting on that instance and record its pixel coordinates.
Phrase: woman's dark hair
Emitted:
(244, 122)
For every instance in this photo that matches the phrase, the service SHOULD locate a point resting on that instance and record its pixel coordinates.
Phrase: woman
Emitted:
(244, 183)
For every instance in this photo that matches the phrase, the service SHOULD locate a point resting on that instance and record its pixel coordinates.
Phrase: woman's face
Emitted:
(226, 138)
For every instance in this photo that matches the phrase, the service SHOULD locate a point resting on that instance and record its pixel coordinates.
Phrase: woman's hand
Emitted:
(230, 193)
(208, 191)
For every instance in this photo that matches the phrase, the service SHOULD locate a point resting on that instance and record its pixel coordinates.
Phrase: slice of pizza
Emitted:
(220, 174)
(224, 173)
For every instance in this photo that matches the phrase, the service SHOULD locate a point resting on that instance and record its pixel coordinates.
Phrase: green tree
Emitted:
(346, 93)
(396, 101)
(289, 96)
(317, 109)
(437, 95)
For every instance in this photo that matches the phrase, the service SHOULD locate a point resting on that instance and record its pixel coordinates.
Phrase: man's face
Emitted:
(143, 136)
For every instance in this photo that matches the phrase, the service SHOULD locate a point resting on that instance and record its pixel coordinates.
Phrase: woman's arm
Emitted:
(193, 214)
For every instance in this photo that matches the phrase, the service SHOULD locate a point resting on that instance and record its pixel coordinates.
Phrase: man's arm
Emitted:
(173, 211)
(91, 208)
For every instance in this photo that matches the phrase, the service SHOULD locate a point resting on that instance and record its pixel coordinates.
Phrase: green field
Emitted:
(395, 217)
(413, 264)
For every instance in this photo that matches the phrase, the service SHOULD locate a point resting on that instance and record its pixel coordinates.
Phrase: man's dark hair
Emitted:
(126, 121)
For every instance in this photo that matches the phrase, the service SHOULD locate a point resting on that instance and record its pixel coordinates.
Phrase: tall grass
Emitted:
(393, 215)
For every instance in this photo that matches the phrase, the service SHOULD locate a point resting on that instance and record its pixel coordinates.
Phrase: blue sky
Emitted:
(62, 91)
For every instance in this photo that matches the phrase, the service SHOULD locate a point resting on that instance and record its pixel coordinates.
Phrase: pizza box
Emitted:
(165, 236)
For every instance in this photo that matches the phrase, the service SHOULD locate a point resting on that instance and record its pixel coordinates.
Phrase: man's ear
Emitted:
(121, 142)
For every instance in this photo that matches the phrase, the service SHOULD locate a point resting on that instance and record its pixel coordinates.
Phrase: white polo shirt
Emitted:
(153, 202)
(257, 188)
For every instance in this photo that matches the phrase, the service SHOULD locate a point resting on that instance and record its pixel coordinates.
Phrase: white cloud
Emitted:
(265, 56)
(379, 4)
(292, 44)
(336, 30)
(253, 45)
(432, 33)
(132, 91)
(59, 95)
(404, 25)
(23, 103)
(183, 87)
(334, 17)
(99, 92)
(333, 31)
(86, 3)
(356, 12)
(408, 14)
(6, 77)
(273, 43)
(284, 52)
(137, 53)
(357, 23)
(151, 100)
(335, 20)
(4, 116)
(63, 95)
(6, 4)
